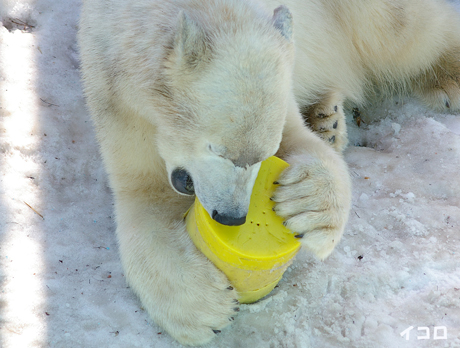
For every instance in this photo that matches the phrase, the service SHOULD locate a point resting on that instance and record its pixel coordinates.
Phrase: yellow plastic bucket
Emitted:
(255, 255)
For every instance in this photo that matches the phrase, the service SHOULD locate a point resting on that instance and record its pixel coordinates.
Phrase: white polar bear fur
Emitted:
(210, 86)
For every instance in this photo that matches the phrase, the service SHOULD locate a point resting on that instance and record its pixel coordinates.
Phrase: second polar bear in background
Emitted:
(189, 96)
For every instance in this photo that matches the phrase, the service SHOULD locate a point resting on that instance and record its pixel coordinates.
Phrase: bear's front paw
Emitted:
(196, 306)
(314, 199)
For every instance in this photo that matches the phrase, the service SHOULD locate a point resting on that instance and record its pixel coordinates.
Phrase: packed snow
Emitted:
(393, 281)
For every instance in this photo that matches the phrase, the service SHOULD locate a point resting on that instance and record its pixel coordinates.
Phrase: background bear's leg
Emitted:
(439, 86)
(327, 119)
(404, 45)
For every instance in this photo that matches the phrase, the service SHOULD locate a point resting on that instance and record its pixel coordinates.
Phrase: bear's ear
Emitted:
(282, 20)
(190, 41)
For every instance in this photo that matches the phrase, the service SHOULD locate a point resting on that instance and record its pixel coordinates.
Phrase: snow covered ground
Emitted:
(61, 282)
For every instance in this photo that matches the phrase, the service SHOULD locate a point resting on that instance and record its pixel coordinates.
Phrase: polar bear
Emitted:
(189, 96)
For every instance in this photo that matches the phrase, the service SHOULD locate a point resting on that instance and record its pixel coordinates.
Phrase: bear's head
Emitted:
(227, 85)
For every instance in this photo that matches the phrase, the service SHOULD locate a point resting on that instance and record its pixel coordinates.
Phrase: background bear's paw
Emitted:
(327, 120)
(443, 96)
(314, 201)
(439, 88)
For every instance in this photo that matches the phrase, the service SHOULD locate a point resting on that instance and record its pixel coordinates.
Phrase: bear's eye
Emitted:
(182, 181)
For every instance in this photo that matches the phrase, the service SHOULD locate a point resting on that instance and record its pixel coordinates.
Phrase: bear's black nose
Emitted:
(227, 219)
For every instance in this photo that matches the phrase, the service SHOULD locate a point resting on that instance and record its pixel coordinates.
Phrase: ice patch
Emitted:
(396, 128)
(409, 197)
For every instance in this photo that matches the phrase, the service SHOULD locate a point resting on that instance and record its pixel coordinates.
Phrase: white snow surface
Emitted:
(61, 281)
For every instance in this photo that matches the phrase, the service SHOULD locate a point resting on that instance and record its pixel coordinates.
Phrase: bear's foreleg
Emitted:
(178, 286)
(314, 192)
